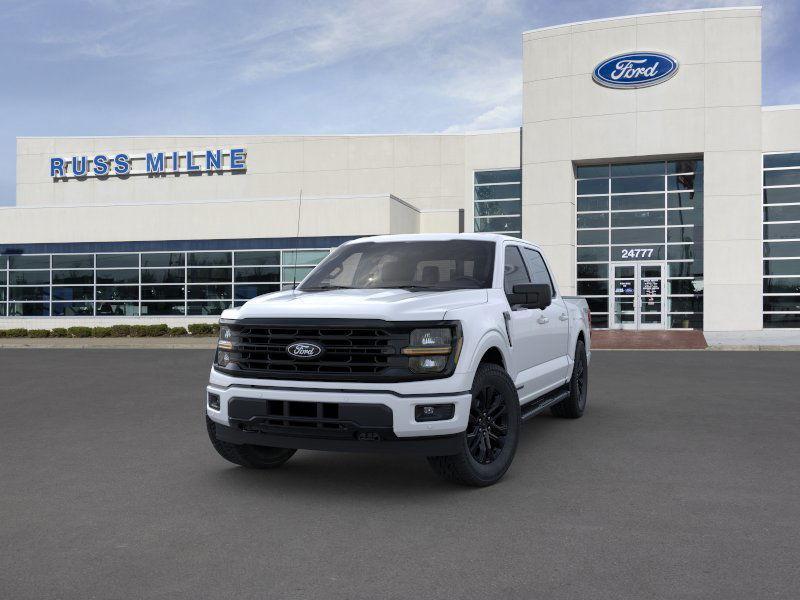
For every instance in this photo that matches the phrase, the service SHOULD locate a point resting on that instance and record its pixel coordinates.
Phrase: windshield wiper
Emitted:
(324, 288)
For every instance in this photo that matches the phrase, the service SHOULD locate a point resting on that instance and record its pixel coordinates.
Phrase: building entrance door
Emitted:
(637, 295)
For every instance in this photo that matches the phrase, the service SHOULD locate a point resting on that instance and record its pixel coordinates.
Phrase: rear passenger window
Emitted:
(514, 271)
(538, 269)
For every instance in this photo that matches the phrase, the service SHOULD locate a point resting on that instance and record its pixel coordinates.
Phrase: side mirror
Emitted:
(531, 295)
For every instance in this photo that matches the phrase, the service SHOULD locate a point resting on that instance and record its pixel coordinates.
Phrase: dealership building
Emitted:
(645, 166)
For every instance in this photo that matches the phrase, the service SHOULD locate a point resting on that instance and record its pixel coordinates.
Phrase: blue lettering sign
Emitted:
(237, 159)
(79, 166)
(56, 167)
(176, 162)
(213, 160)
(190, 166)
(635, 70)
(154, 163)
(123, 165)
(100, 164)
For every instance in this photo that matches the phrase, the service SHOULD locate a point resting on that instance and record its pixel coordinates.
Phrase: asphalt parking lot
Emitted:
(681, 481)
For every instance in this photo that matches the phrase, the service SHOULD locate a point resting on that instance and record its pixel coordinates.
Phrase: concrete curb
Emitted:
(166, 343)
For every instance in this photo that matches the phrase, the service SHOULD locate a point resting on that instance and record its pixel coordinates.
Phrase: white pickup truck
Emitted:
(439, 345)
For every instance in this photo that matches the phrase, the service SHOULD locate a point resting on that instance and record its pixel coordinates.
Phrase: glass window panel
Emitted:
(118, 276)
(29, 262)
(498, 176)
(3, 262)
(589, 171)
(782, 231)
(648, 168)
(637, 219)
(2, 277)
(488, 209)
(636, 184)
(775, 321)
(209, 292)
(496, 224)
(163, 259)
(596, 203)
(257, 258)
(2, 309)
(300, 273)
(685, 200)
(782, 195)
(73, 277)
(592, 236)
(592, 271)
(782, 303)
(85, 292)
(28, 309)
(680, 234)
(163, 275)
(684, 182)
(247, 291)
(593, 220)
(537, 268)
(637, 236)
(789, 159)
(782, 285)
(685, 305)
(684, 286)
(781, 249)
(73, 261)
(679, 252)
(694, 321)
(684, 217)
(638, 252)
(637, 202)
(782, 213)
(592, 186)
(209, 259)
(593, 288)
(599, 321)
(789, 177)
(782, 267)
(162, 292)
(684, 166)
(590, 254)
(162, 309)
(597, 305)
(73, 309)
(29, 277)
(680, 269)
(257, 274)
(303, 257)
(2, 294)
(496, 192)
(207, 308)
(29, 293)
(114, 261)
(117, 309)
(209, 275)
(117, 292)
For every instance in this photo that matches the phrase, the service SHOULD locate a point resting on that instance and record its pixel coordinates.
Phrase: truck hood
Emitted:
(386, 304)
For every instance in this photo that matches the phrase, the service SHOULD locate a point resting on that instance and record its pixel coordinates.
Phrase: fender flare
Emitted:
(491, 339)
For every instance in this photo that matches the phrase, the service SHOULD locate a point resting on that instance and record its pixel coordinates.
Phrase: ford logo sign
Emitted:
(304, 350)
(635, 70)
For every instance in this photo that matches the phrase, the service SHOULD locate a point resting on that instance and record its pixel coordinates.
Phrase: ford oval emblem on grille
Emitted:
(304, 350)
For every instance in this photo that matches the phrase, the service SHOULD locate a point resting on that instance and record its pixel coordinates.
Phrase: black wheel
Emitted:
(573, 407)
(490, 440)
(246, 455)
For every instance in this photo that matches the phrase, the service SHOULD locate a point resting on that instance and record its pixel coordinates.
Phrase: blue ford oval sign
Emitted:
(635, 70)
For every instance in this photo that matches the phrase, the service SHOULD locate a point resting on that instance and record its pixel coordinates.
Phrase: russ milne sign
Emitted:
(151, 163)
(635, 70)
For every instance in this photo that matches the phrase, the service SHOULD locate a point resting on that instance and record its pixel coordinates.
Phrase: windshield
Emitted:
(417, 265)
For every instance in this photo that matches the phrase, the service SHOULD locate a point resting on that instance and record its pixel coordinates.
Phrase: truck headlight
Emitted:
(224, 346)
(430, 349)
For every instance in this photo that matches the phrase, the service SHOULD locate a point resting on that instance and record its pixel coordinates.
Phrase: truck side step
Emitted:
(533, 408)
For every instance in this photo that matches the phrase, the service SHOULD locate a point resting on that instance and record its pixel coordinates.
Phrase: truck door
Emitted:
(554, 324)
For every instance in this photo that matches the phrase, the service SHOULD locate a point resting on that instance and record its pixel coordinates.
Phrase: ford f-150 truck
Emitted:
(439, 345)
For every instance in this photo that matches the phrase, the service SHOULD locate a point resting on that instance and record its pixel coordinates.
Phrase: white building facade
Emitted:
(645, 165)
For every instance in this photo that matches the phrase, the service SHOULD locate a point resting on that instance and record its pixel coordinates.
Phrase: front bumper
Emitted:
(398, 431)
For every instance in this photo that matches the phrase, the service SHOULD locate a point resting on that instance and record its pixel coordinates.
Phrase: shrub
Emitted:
(177, 331)
(38, 333)
(157, 330)
(2, 333)
(101, 332)
(80, 332)
(138, 330)
(202, 329)
(59, 332)
(120, 330)
(17, 332)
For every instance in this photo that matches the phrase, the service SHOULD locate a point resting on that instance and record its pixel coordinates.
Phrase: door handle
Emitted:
(542, 320)
(563, 317)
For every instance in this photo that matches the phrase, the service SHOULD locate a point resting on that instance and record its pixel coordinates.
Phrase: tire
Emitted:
(247, 455)
(573, 407)
(490, 440)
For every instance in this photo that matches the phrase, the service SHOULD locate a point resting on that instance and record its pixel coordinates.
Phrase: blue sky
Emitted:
(151, 67)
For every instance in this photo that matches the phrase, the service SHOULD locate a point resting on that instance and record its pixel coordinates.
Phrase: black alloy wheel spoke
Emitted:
(488, 425)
